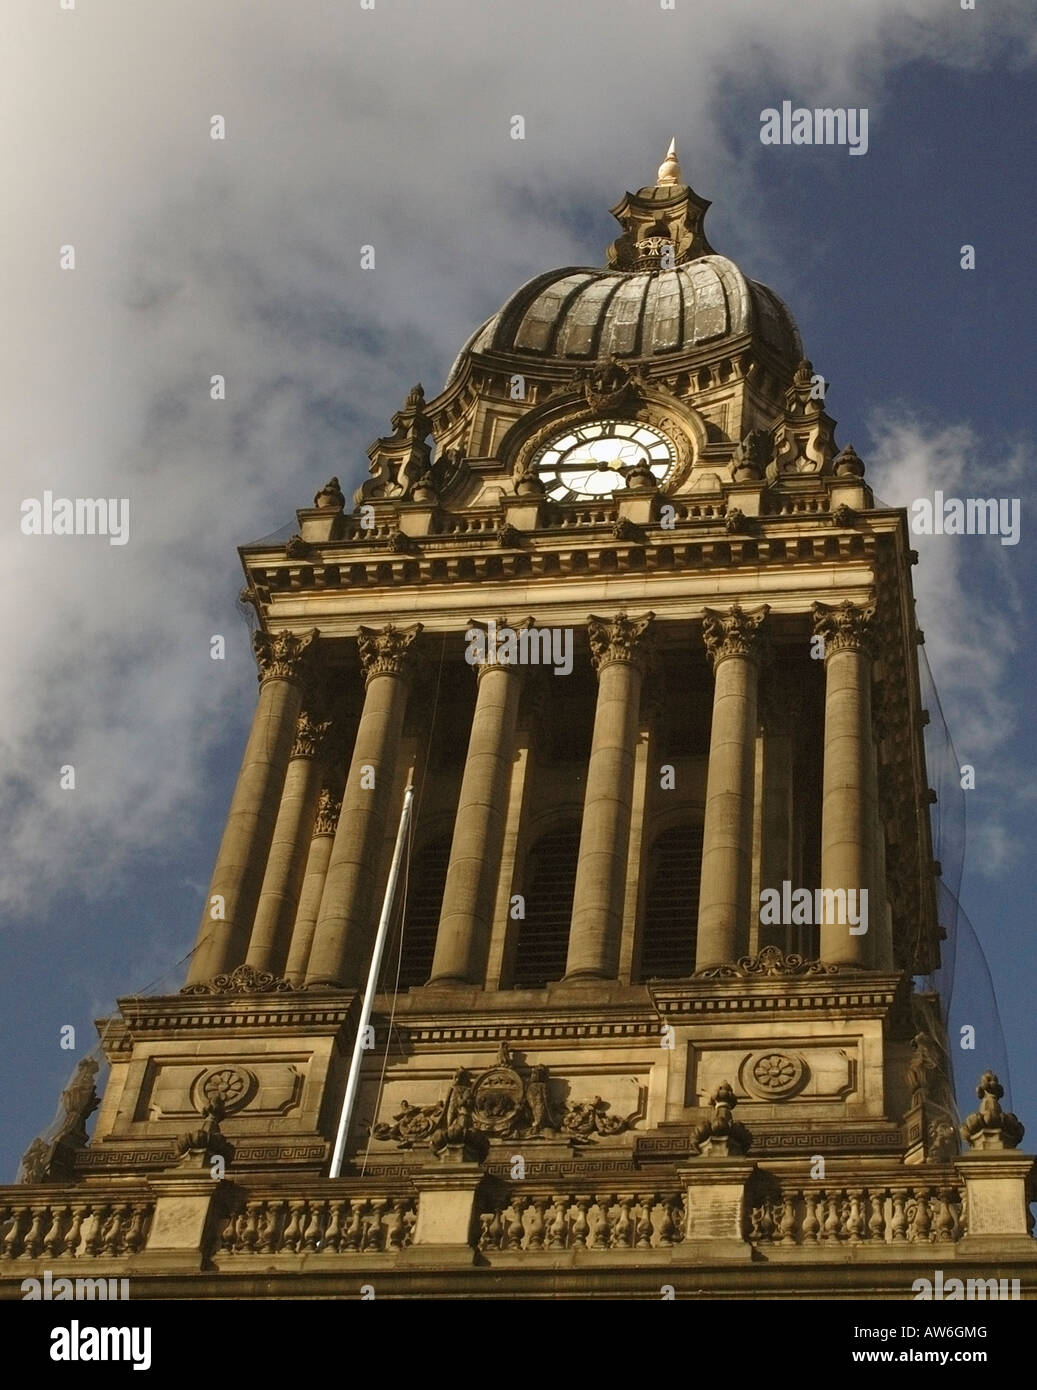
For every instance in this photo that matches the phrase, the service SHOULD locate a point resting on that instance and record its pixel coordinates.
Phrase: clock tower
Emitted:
(627, 618)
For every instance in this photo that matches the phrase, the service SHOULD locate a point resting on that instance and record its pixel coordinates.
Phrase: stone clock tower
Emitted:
(627, 618)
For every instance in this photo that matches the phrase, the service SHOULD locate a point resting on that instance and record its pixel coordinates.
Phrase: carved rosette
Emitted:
(310, 734)
(328, 808)
(734, 633)
(621, 639)
(284, 656)
(386, 651)
(848, 628)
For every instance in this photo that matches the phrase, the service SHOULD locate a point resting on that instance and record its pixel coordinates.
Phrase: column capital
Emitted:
(734, 633)
(848, 628)
(619, 639)
(328, 808)
(285, 656)
(501, 645)
(310, 733)
(385, 651)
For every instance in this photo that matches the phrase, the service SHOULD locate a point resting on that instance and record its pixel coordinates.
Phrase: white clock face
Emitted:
(594, 460)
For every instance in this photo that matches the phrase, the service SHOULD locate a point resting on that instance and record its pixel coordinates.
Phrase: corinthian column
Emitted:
(466, 917)
(348, 912)
(733, 641)
(850, 777)
(286, 864)
(284, 664)
(619, 653)
(317, 861)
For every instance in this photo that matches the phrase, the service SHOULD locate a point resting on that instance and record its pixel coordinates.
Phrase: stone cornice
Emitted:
(583, 550)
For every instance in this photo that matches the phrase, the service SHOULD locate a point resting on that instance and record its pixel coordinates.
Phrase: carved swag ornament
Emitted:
(501, 1103)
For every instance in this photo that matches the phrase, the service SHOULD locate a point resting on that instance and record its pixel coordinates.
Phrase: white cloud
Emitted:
(240, 257)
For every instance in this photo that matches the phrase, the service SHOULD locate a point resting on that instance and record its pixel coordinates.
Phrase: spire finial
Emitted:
(670, 169)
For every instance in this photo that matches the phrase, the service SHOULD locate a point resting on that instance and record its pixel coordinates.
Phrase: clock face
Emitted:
(594, 460)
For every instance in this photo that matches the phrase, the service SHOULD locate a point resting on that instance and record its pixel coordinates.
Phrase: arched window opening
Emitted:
(672, 904)
(543, 935)
(425, 884)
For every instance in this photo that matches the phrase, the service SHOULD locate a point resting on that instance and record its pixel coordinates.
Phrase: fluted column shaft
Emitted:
(286, 863)
(348, 912)
(618, 650)
(466, 917)
(850, 777)
(284, 662)
(312, 889)
(733, 640)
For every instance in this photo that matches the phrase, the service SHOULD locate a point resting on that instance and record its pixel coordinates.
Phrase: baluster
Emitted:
(513, 1221)
(944, 1222)
(135, 1235)
(394, 1226)
(292, 1236)
(92, 1244)
(811, 1224)
(410, 1220)
(581, 1226)
(854, 1220)
(333, 1234)
(489, 1236)
(898, 1224)
(644, 1221)
(269, 1230)
(352, 1238)
(599, 1226)
(957, 1206)
(786, 1233)
(666, 1223)
(249, 1228)
(761, 1222)
(559, 1223)
(311, 1235)
(52, 1240)
(114, 1229)
(623, 1232)
(34, 1235)
(75, 1231)
(537, 1224)
(373, 1232)
(13, 1238)
(921, 1218)
(877, 1219)
(830, 1230)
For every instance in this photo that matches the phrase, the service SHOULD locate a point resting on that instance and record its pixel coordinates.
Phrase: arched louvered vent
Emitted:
(543, 940)
(672, 905)
(425, 883)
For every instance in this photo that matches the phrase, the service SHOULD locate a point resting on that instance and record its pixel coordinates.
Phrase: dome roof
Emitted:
(665, 291)
(586, 314)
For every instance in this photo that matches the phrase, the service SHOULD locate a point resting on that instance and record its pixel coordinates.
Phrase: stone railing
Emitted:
(699, 511)
(73, 1229)
(301, 1226)
(817, 1214)
(607, 1221)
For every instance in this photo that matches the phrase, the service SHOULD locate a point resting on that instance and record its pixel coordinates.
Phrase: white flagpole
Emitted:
(353, 1080)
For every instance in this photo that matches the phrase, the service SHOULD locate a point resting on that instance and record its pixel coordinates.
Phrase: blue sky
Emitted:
(242, 257)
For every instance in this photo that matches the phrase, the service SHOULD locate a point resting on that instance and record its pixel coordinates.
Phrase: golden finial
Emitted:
(670, 169)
